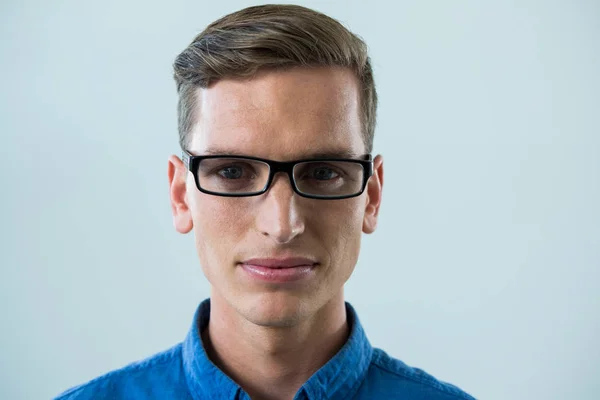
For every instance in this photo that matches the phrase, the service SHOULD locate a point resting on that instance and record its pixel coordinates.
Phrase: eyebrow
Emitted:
(303, 156)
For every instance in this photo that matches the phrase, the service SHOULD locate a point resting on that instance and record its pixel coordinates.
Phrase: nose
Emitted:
(279, 216)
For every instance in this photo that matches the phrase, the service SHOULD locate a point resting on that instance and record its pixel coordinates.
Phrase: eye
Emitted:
(231, 172)
(323, 173)
(319, 172)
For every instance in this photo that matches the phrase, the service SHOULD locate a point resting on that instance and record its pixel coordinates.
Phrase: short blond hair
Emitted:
(271, 36)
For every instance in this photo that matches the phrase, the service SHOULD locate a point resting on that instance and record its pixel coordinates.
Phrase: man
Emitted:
(276, 121)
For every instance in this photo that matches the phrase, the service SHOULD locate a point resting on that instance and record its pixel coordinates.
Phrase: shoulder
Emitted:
(135, 380)
(395, 378)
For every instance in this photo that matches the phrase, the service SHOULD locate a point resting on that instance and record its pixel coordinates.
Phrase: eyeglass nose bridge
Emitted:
(285, 167)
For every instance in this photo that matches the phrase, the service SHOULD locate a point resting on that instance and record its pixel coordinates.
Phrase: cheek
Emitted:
(349, 217)
(219, 224)
(350, 235)
(343, 232)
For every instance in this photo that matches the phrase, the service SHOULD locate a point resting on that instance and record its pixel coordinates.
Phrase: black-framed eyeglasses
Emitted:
(317, 178)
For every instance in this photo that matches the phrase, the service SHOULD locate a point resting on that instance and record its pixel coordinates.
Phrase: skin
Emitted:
(270, 338)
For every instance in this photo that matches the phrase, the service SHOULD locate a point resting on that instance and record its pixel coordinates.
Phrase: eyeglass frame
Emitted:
(192, 161)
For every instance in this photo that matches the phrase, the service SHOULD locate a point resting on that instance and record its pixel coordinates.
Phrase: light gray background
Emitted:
(484, 270)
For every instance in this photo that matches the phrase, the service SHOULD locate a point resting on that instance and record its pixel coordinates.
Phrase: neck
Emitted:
(273, 362)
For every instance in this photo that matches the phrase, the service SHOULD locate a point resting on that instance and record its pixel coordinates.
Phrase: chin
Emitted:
(276, 309)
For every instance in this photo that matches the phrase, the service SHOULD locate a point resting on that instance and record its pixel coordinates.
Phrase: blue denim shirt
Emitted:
(357, 371)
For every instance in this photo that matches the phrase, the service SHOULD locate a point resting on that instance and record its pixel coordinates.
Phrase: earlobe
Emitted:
(182, 217)
(374, 193)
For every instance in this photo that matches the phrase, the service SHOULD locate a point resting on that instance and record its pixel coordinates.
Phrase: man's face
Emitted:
(278, 115)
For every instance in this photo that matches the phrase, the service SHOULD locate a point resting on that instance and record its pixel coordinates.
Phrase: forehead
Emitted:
(281, 114)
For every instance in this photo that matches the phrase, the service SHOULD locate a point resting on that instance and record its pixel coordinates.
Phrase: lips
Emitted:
(291, 262)
(279, 270)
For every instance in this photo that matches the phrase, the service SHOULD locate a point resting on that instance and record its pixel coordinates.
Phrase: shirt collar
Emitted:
(339, 378)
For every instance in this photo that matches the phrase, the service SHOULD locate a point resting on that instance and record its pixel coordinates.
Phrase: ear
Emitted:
(182, 217)
(374, 191)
